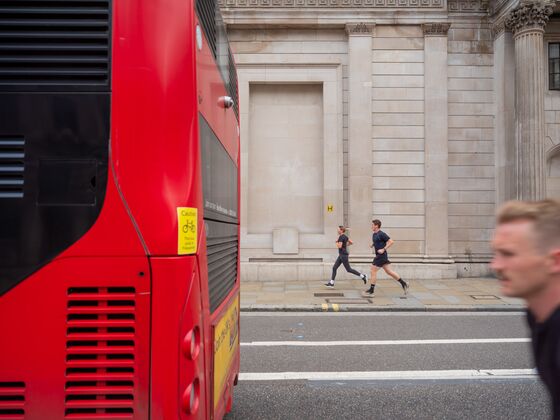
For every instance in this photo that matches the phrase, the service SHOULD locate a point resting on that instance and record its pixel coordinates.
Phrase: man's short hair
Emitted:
(376, 222)
(342, 228)
(544, 214)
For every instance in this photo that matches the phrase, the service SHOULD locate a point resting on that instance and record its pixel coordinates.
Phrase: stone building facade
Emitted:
(425, 114)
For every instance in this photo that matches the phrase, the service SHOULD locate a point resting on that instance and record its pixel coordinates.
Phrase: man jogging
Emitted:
(342, 244)
(526, 259)
(380, 243)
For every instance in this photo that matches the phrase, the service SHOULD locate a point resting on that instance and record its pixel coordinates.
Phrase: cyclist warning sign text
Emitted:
(187, 229)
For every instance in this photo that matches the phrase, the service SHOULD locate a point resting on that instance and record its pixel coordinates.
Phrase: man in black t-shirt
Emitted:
(380, 243)
(526, 259)
(342, 244)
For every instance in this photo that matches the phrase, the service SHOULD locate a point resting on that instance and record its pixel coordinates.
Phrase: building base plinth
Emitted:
(320, 271)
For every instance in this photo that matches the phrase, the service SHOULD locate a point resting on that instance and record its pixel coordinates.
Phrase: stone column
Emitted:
(435, 147)
(527, 23)
(360, 190)
(504, 87)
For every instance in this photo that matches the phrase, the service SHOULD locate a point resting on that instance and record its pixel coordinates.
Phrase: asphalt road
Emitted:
(387, 366)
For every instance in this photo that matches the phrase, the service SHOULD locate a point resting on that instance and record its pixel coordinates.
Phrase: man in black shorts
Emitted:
(380, 243)
(526, 259)
(342, 244)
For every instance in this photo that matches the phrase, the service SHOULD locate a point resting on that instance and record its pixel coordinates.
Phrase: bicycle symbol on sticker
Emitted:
(189, 227)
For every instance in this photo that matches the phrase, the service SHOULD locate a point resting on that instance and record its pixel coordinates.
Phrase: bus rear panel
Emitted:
(119, 187)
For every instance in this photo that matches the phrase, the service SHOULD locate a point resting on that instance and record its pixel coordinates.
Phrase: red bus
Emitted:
(119, 186)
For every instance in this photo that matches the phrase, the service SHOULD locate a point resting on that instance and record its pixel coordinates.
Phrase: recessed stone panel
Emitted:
(285, 174)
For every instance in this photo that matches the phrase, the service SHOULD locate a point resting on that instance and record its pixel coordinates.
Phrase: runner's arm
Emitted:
(388, 244)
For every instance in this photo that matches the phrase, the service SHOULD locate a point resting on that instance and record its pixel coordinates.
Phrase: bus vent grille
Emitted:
(222, 267)
(100, 352)
(54, 42)
(232, 84)
(206, 10)
(12, 400)
(11, 167)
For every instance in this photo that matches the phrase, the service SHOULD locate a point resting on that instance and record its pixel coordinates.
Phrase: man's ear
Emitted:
(555, 258)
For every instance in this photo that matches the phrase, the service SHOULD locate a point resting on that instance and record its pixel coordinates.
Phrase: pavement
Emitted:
(464, 294)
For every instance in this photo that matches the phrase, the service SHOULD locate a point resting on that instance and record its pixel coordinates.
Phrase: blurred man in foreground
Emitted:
(526, 259)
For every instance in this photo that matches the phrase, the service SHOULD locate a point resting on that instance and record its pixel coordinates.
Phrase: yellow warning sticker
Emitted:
(187, 218)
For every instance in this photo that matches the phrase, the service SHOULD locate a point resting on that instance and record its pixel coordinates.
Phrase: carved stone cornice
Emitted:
(435, 29)
(319, 4)
(359, 28)
(477, 6)
(499, 28)
(531, 15)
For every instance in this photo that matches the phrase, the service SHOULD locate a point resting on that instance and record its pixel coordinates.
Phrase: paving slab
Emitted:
(474, 294)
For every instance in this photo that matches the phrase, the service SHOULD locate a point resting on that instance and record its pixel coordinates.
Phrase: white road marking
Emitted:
(392, 375)
(383, 342)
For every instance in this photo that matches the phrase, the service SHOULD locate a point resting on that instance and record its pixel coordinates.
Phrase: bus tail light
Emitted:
(191, 344)
(191, 397)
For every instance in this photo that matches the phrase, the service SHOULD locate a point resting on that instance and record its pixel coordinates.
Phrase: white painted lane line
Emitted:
(392, 375)
(383, 342)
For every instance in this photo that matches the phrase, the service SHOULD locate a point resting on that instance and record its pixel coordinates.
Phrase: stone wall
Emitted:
(471, 141)
(398, 135)
(397, 149)
(419, 120)
(291, 95)
(396, 162)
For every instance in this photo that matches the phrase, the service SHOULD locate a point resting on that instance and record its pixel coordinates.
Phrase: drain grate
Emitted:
(485, 297)
(329, 294)
(350, 301)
